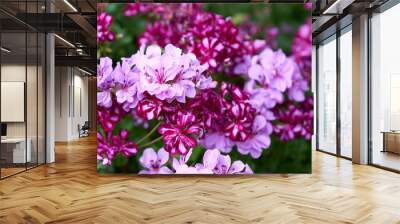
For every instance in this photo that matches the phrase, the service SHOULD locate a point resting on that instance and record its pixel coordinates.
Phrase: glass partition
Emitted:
(385, 89)
(22, 77)
(327, 96)
(346, 93)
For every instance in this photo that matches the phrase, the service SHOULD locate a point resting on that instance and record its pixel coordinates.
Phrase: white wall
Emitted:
(71, 94)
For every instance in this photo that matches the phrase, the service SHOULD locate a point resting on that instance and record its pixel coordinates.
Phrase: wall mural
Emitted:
(204, 88)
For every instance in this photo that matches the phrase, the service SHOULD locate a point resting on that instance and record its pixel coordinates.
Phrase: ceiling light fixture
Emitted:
(84, 71)
(70, 5)
(5, 50)
(327, 11)
(64, 40)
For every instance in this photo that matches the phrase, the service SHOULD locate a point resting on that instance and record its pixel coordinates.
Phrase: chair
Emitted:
(84, 130)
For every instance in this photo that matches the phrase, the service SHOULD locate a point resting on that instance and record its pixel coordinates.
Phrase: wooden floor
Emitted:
(70, 191)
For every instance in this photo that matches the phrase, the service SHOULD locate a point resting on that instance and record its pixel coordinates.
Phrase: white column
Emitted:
(50, 94)
(360, 90)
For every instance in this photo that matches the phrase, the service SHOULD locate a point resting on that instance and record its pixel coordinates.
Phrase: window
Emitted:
(385, 89)
(346, 92)
(327, 96)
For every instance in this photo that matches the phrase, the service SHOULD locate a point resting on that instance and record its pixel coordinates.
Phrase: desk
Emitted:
(391, 141)
(17, 150)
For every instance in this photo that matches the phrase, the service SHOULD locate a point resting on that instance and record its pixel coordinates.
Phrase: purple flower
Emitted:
(154, 162)
(259, 140)
(272, 70)
(104, 99)
(104, 74)
(126, 84)
(104, 21)
(216, 163)
(300, 86)
(172, 75)
(178, 135)
(105, 82)
(181, 167)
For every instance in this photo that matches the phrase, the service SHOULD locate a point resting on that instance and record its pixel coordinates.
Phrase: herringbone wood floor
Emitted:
(70, 191)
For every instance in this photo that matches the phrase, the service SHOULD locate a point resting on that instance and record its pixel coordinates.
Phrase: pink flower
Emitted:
(178, 134)
(104, 33)
(154, 162)
(272, 70)
(181, 167)
(259, 140)
(170, 76)
(302, 49)
(216, 163)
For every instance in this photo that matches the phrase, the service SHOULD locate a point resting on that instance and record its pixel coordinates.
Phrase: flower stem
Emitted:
(148, 134)
(152, 142)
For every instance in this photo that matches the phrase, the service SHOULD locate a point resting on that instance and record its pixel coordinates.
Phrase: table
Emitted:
(391, 141)
(17, 150)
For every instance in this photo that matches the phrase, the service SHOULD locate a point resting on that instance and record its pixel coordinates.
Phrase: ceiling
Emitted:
(330, 15)
(74, 22)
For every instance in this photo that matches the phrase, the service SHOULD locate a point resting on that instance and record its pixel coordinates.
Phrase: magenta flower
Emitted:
(295, 121)
(178, 135)
(107, 118)
(104, 33)
(302, 49)
(109, 147)
(149, 108)
(154, 162)
(240, 119)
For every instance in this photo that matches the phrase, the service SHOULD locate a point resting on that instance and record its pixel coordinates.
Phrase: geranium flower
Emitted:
(169, 76)
(154, 162)
(149, 108)
(104, 33)
(178, 135)
(111, 145)
(216, 163)
(104, 82)
(126, 83)
(272, 70)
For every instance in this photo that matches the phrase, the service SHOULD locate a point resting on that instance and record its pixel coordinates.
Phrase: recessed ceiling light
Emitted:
(86, 72)
(64, 40)
(5, 50)
(70, 5)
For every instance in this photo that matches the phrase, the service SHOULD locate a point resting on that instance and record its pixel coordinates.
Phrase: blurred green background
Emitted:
(281, 157)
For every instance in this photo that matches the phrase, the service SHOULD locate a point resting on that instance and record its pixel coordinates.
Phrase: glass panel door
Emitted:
(346, 93)
(385, 89)
(327, 96)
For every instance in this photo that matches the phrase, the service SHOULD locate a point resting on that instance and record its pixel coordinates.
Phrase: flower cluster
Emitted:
(104, 33)
(215, 40)
(295, 121)
(173, 86)
(213, 163)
